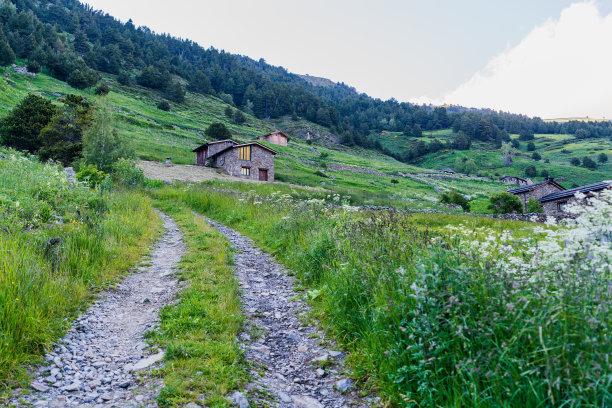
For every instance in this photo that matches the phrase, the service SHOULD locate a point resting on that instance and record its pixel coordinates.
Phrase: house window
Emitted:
(244, 153)
(245, 171)
(561, 206)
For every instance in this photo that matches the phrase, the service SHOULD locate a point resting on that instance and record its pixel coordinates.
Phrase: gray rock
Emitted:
(303, 401)
(193, 405)
(39, 386)
(284, 397)
(335, 354)
(74, 386)
(239, 399)
(344, 385)
(147, 362)
(320, 372)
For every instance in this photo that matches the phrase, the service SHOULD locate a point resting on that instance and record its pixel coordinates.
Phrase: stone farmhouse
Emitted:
(555, 203)
(277, 137)
(536, 190)
(245, 160)
(515, 180)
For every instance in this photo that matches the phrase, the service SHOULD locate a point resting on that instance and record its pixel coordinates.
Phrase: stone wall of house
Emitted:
(552, 208)
(215, 147)
(538, 192)
(260, 159)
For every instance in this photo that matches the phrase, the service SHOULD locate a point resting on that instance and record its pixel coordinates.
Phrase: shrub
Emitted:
(82, 78)
(175, 92)
(534, 206)
(536, 156)
(124, 78)
(602, 158)
(33, 67)
(505, 203)
(90, 175)
(575, 161)
(126, 172)
(530, 146)
(394, 181)
(515, 143)
(589, 163)
(455, 197)
(163, 105)
(544, 173)
(526, 135)
(21, 128)
(229, 112)
(218, 131)
(531, 171)
(103, 89)
(239, 117)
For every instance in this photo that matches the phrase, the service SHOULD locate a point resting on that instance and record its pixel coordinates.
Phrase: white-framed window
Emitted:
(245, 171)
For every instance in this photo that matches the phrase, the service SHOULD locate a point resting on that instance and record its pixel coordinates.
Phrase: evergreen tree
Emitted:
(530, 146)
(536, 156)
(589, 163)
(602, 158)
(416, 131)
(124, 78)
(218, 131)
(175, 92)
(21, 128)
(229, 112)
(531, 171)
(239, 117)
(7, 56)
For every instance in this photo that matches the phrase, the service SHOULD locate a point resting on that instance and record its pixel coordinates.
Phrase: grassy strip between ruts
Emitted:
(203, 360)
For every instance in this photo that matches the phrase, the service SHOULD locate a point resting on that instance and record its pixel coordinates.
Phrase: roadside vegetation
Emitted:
(459, 311)
(60, 243)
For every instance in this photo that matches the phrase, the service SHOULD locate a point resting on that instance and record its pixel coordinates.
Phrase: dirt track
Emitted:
(184, 173)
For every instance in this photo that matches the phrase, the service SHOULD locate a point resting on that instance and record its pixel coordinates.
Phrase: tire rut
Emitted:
(293, 365)
(96, 363)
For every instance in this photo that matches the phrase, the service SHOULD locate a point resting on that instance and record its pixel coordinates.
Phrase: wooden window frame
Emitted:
(561, 206)
(244, 153)
(245, 171)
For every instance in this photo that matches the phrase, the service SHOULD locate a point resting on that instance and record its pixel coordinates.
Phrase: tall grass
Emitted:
(428, 323)
(59, 243)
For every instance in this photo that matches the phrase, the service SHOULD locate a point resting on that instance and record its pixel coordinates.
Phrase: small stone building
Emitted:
(515, 180)
(448, 170)
(536, 190)
(555, 203)
(245, 160)
(277, 137)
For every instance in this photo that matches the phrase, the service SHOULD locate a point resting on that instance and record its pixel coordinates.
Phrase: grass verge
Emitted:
(199, 332)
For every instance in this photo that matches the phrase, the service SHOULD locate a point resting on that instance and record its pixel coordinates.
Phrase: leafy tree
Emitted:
(455, 197)
(515, 143)
(163, 105)
(127, 173)
(239, 117)
(175, 92)
(33, 67)
(102, 89)
(62, 138)
(229, 112)
(530, 146)
(531, 171)
(505, 203)
(218, 131)
(536, 156)
(507, 153)
(526, 135)
(82, 78)
(589, 163)
(534, 206)
(544, 173)
(469, 167)
(21, 128)
(102, 144)
(416, 131)
(582, 134)
(124, 78)
(575, 161)
(461, 141)
(602, 158)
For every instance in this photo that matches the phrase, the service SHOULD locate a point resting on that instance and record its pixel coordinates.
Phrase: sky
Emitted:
(547, 58)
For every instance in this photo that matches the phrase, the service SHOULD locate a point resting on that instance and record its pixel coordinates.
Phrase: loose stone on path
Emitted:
(296, 370)
(96, 363)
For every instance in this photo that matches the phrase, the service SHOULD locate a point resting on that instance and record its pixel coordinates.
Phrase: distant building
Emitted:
(245, 160)
(277, 137)
(536, 190)
(515, 180)
(556, 202)
(448, 170)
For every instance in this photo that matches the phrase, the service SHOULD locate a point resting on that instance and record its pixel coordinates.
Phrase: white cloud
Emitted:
(562, 68)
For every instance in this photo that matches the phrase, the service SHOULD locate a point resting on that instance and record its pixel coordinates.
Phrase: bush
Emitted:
(531, 171)
(536, 156)
(534, 206)
(515, 143)
(544, 173)
(218, 131)
(126, 172)
(530, 146)
(602, 158)
(90, 175)
(163, 105)
(239, 117)
(175, 92)
(124, 78)
(33, 67)
(21, 128)
(526, 136)
(455, 197)
(394, 181)
(505, 203)
(575, 161)
(103, 89)
(82, 78)
(229, 112)
(589, 163)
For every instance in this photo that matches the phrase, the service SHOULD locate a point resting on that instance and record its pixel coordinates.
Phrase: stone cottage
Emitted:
(515, 180)
(555, 203)
(536, 190)
(245, 160)
(277, 137)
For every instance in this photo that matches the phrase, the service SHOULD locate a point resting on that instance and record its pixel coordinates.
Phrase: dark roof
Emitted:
(448, 170)
(209, 143)
(524, 189)
(569, 193)
(235, 146)
(513, 177)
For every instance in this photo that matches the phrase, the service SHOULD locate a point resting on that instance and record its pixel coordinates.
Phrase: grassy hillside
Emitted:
(156, 134)
(558, 149)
